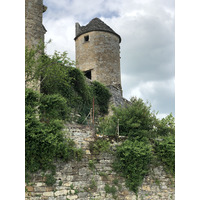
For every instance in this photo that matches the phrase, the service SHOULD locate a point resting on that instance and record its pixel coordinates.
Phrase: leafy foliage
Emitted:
(49, 179)
(102, 96)
(135, 121)
(132, 160)
(53, 107)
(63, 90)
(166, 125)
(33, 64)
(165, 150)
(110, 190)
(58, 75)
(99, 145)
(144, 132)
(44, 141)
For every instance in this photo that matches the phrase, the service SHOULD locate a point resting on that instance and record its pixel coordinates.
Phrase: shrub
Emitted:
(102, 96)
(132, 160)
(165, 150)
(99, 145)
(44, 142)
(166, 125)
(70, 83)
(50, 180)
(107, 126)
(53, 107)
(31, 98)
(135, 120)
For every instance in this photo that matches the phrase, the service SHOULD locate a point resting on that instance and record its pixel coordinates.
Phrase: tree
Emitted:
(39, 65)
(166, 126)
(135, 120)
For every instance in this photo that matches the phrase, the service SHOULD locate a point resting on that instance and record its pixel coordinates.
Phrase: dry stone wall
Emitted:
(80, 181)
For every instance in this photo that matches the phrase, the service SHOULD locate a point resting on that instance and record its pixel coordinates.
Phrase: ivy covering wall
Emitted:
(64, 94)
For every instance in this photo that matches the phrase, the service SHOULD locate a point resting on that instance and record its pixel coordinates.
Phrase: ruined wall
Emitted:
(76, 180)
(34, 30)
(101, 55)
(117, 98)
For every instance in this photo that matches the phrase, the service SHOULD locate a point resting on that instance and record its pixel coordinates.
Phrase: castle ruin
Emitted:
(98, 56)
(98, 52)
(34, 29)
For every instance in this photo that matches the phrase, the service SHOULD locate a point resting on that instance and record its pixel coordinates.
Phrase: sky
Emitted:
(147, 29)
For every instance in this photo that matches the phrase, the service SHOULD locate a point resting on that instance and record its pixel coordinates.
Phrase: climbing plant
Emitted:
(165, 151)
(101, 95)
(44, 139)
(132, 161)
(149, 140)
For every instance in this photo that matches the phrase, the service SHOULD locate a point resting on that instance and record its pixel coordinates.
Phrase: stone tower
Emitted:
(98, 52)
(34, 29)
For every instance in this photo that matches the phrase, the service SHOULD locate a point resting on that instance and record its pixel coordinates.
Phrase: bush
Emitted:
(58, 75)
(165, 150)
(54, 107)
(132, 161)
(142, 128)
(45, 142)
(31, 98)
(102, 96)
(50, 180)
(135, 121)
(99, 145)
(166, 126)
(70, 83)
(67, 151)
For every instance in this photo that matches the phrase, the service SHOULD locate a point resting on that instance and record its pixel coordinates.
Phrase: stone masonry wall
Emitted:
(76, 180)
(101, 55)
(34, 30)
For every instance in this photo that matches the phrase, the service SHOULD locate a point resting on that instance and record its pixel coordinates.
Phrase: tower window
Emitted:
(88, 74)
(86, 38)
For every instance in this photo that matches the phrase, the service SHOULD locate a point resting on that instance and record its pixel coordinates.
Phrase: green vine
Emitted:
(132, 161)
(165, 151)
(44, 139)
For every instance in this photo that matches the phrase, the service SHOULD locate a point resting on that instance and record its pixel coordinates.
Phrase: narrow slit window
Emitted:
(86, 38)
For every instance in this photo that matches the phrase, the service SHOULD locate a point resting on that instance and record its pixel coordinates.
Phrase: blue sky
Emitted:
(147, 48)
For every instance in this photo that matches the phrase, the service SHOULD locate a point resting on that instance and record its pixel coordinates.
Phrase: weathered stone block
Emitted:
(87, 152)
(40, 189)
(72, 197)
(30, 188)
(146, 188)
(61, 192)
(48, 194)
(83, 171)
(40, 184)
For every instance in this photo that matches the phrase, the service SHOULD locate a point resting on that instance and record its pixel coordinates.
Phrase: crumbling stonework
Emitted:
(76, 180)
(98, 52)
(117, 99)
(34, 30)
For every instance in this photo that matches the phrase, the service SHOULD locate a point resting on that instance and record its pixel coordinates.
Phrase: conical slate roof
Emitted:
(94, 25)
